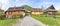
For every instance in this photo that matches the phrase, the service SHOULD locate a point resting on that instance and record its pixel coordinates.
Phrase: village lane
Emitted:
(29, 21)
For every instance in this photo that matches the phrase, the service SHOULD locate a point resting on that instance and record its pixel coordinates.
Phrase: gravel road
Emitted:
(29, 21)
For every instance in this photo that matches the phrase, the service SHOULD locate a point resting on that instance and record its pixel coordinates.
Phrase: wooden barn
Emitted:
(36, 11)
(15, 11)
(51, 10)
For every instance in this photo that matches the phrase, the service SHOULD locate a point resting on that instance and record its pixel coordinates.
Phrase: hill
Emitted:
(27, 7)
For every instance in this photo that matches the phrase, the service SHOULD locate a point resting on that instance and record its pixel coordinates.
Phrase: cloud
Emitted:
(34, 3)
(4, 4)
(3, 1)
(17, 0)
(49, 3)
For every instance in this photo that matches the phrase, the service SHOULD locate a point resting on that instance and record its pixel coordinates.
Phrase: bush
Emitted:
(26, 14)
(2, 17)
(21, 16)
(14, 17)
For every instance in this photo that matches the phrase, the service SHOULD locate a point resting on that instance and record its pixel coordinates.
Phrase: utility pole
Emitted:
(53, 13)
(42, 6)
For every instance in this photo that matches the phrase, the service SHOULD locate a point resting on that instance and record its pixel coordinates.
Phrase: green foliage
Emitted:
(26, 14)
(2, 17)
(27, 7)
(1, 11)
(16, 16)
(21, 16)
(58, 12)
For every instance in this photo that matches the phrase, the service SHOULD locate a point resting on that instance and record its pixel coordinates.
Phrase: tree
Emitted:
(1, 11)
(58, 12)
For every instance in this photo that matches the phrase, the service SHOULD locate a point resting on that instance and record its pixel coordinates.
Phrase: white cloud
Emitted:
(17, 0)
(4, 4)
(4, 1)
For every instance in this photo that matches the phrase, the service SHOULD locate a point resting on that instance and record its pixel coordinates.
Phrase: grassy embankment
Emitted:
(8, 22)
(48, 20)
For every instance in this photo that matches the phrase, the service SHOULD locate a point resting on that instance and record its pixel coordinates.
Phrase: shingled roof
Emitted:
(51, 8)
(15, 8)
(36, 9)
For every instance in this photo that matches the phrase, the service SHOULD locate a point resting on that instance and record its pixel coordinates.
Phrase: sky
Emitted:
(5, 4)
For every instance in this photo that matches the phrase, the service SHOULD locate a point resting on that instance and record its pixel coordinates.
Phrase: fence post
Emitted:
(54, 16)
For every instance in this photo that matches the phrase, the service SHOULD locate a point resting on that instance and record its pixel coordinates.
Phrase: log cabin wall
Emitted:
(15, 13)
(37, 13)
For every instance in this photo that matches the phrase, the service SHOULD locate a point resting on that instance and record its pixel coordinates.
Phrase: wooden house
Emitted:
(28, 12)
(36, 11)
(51, 10)
(15, 11)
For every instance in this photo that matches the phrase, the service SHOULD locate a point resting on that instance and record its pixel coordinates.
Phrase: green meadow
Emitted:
(8, 22)
(48, 19)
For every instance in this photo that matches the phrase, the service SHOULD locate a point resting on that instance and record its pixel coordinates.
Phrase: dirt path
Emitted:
(29, 21)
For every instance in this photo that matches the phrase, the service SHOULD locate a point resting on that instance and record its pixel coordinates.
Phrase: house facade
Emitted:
(36, 11)
(28, 12)
(15, 11)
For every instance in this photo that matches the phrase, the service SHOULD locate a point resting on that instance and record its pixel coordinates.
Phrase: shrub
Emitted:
(2, 17)
(14, 17)
(21, 16)
(26, 14)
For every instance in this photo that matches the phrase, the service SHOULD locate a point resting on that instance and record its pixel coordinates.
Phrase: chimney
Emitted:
(14, 7)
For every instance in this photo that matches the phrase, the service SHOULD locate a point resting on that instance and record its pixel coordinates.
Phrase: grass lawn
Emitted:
(8, 22)
(48, 20)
